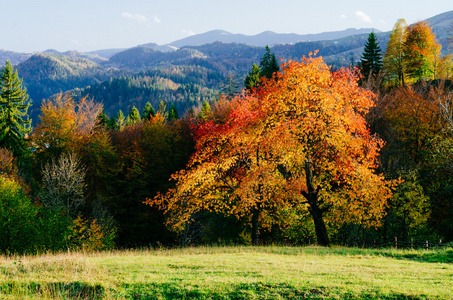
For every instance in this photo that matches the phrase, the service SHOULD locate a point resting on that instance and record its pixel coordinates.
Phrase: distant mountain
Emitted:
(443, 28)
(107, 53)
(46, 74)
(161, 48)
(144, 58)
(265, 38)
(13, 57)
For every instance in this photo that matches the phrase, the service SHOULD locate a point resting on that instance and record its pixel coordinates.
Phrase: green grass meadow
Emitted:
(270, 272)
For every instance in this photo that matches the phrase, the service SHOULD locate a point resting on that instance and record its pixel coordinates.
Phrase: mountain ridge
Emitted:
(264, 38)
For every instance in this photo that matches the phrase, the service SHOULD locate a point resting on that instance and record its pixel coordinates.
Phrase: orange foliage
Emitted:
(256, 162)
(65, 123)
(421, 51)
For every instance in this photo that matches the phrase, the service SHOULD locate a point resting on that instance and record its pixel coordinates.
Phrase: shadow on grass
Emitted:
(440, 256)
(430, 256)
(248, 291)
(65, 290)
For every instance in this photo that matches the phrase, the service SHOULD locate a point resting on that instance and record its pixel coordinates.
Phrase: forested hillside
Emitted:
(47, 74)
(185, 87)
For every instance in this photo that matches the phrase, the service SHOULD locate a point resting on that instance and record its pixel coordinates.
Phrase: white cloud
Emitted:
(383, 22)
(343, 16)
(362, 16)
(156, 19)
(137, 17)
(188, 32)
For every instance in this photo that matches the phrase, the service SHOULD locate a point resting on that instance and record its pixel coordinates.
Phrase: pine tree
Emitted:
(205, 113)
(133, 117)
(253, 78)
(371, 60)
(120, 120)
(162, 108)
(172, 114)
(231, 88)
(268, 64)
(148, 111)
(102, 119)
(14, 104)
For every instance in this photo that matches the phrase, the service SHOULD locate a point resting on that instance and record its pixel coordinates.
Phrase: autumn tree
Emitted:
(421, 51)
(64, 124)
(444, 68)
(14, 104)
(393, 64)
(371, 60)
(302, 140)
(329, 153)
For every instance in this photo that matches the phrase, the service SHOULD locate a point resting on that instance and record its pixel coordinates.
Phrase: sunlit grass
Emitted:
(270, 272)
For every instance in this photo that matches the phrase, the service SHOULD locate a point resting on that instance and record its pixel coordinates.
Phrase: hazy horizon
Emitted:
(33, 26)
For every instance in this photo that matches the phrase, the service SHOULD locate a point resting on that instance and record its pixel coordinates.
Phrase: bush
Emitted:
(17, 219)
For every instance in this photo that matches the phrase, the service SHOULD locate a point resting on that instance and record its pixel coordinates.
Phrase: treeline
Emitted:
(305, 154)
(86, 182)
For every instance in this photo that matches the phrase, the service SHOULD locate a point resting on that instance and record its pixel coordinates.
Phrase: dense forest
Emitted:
(179, 154)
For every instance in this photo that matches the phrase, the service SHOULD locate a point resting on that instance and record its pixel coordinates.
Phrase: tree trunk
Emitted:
(255, 234)
(320, 226)
(315, 210)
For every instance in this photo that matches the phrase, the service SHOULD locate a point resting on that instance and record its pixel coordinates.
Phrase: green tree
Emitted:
(120, 120)
(172, 114)
(14, 104)
(393, 64)
(17, 217)
(133, 117)
(148, 111)
(371, 60)
(205, 113)
(162, 108)
(253, 77)
(409, 206)
(102, 119)
(268, 64)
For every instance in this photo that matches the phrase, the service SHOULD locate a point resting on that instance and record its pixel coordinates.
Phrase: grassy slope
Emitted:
(231, 273)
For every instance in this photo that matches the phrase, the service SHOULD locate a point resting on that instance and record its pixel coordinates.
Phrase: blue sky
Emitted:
(85, 25)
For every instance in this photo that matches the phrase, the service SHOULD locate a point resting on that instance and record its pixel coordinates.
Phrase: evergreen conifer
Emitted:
(148, 111)
(172, 114)
(133, 117)
(371, 60)
(14, 104)
(253, 77)
(268, 64)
